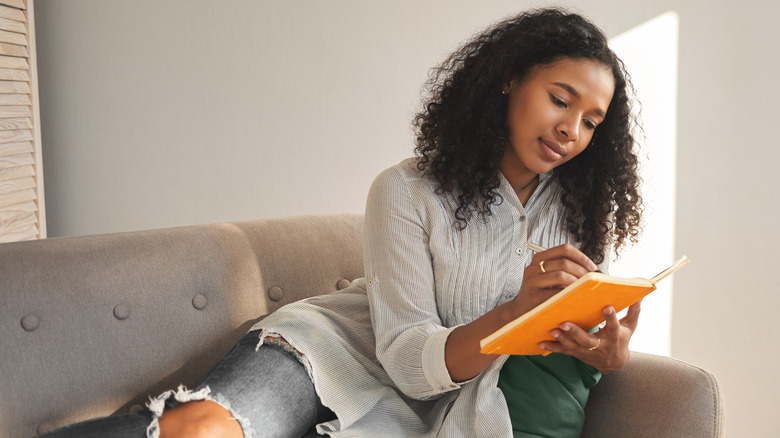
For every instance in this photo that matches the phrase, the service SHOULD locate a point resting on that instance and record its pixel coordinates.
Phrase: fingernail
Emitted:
(593, 267)
(555, 334)
(565, 327)
(610, 311)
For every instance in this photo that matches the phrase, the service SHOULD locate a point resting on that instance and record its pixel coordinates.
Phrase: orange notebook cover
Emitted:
(581, 303)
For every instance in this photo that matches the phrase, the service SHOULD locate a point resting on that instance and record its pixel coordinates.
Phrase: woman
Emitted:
(526, 138)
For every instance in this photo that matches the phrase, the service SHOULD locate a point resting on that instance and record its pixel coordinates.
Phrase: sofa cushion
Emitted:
(96, 324)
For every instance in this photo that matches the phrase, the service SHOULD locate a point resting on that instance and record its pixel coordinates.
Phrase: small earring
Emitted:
(503, 92)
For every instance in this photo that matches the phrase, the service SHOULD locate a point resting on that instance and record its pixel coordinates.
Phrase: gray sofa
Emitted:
(95, 325)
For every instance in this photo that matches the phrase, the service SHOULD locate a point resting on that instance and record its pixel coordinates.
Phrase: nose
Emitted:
(570, 128)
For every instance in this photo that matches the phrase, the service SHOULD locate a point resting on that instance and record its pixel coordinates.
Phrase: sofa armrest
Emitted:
(655, 396)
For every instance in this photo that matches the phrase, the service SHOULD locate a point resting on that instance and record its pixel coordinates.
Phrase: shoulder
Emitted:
(404, 190)
(406, 170)
(401, 178)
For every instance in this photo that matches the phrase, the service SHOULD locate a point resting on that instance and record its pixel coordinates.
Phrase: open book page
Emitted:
(671, 269)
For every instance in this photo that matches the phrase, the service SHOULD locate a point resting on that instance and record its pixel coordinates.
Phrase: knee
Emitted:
(200, 419)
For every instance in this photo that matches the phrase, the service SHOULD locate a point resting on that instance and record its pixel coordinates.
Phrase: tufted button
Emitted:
(275, 293)
(30, 322)
(342, 284)
(199, 302)
(45, 427)
(121, 312)
(135, 407)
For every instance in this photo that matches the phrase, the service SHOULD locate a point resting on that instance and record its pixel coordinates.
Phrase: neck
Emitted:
(525, 187)
(523, 180)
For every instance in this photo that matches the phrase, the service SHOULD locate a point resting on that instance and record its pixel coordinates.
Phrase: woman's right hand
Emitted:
(549, 272)
(562, 265)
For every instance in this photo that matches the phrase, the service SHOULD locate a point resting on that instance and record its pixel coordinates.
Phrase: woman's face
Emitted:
(552, 113)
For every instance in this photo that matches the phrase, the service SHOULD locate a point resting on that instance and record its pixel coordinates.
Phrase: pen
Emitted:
(534, 247)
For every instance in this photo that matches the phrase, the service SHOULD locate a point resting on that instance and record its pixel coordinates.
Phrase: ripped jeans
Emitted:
(265, 387)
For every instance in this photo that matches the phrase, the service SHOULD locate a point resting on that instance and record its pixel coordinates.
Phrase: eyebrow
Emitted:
(576, 94)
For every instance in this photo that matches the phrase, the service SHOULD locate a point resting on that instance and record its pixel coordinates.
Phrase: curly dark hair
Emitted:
(462, 132)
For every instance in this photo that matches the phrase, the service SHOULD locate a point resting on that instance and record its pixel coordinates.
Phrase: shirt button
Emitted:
(519, 251)
(521, 218)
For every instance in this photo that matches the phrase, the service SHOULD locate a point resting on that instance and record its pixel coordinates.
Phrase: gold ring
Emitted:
(541, 266)
(598, 342)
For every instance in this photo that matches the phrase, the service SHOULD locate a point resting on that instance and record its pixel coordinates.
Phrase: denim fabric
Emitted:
(128, 425)
(266, 388)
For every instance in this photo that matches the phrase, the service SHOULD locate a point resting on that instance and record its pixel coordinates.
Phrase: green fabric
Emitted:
(546, 395)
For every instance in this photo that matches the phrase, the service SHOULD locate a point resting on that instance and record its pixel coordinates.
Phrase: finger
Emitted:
(552, 347)
(563, 340)
(555, 279)
(610, 316)
(631, 320)
(572, 336)
(566, 251)
(566, 265)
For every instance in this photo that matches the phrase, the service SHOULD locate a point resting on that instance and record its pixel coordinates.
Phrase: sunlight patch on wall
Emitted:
(650, 54)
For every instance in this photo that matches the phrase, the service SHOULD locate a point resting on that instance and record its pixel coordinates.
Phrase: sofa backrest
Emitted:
(95, 325)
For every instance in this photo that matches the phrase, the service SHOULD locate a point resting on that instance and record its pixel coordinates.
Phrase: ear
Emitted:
(508, 86)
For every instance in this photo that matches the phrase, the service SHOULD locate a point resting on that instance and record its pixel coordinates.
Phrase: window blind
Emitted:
(22, 214)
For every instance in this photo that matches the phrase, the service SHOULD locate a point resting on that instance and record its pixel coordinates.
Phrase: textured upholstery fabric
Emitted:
(80, 360)
(94, 325)
(653, 396)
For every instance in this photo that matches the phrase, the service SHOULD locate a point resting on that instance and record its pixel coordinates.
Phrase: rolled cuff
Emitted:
(435, 364)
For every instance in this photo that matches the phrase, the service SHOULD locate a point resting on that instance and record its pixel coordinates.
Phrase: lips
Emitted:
(553, 150)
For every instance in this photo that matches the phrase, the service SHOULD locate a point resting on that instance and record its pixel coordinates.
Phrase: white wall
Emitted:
(166, 113)
(176, 112)
(725, 309)
(649, 52)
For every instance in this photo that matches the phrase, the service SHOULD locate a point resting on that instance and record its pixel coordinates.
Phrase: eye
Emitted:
(590, 125)
(557, 101)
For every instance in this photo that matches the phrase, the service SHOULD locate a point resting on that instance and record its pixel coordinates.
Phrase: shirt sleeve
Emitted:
(410, 337)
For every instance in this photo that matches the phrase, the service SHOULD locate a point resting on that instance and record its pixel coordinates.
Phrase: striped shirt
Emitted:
(375, 350)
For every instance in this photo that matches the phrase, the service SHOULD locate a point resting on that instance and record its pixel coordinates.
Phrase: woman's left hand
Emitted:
(607, 349)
